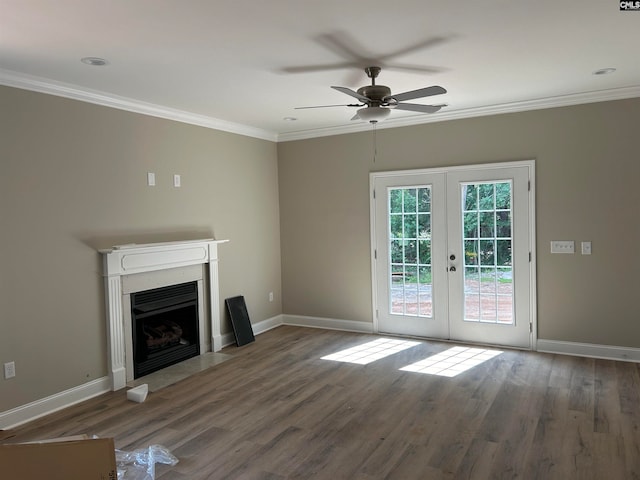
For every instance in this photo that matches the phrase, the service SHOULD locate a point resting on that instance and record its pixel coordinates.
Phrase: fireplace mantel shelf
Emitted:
(130, 259)
(158, 245)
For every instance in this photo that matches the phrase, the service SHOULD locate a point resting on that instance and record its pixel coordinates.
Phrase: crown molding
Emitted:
(43, 85)
(74, 92)
(444, 115)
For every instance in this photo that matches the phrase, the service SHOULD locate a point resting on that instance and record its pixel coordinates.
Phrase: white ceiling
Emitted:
(227, 63)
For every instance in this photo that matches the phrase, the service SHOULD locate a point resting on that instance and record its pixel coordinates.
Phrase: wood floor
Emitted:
(277, 411)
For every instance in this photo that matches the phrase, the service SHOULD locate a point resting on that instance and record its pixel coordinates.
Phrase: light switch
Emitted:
(151, 179)
(562, 246)
(176, 181)
(586, 248)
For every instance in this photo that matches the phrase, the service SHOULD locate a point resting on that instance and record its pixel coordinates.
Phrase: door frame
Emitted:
(530, 164)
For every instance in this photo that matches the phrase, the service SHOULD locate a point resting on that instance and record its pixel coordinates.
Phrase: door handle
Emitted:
(452, 257)
(452, 269)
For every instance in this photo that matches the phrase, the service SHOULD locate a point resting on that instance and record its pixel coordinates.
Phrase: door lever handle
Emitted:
(452, 269)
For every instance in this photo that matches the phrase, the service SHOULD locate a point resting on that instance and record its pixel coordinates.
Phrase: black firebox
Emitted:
(165, 327)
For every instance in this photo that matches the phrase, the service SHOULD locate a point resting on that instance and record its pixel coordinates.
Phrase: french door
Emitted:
(452, 253)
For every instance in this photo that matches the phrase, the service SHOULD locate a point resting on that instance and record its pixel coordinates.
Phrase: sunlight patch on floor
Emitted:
(371, 351)
(452, 362)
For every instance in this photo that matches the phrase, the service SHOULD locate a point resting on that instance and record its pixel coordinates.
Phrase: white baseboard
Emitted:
(25, 413)
(608, 352)
(302, 321)
(268, 324)
(258, 328)
(327, 323)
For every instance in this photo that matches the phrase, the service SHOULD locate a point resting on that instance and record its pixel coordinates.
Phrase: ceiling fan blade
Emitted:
(343, 44)
(421, 92)
(325, 106)
(429, 42)
(414, 68)
(416, 107)
(348, 91)
(320, 68)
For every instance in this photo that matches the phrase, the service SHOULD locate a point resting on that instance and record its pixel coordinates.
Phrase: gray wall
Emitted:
(587, 169)
(73, 180)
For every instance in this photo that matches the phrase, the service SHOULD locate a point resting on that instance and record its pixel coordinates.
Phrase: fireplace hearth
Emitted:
(165, 327)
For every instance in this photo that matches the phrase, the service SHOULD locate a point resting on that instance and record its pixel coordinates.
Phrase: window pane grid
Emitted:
(487, 241)
(410, 284)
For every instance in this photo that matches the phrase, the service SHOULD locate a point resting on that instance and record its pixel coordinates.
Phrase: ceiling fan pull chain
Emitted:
(375, 142)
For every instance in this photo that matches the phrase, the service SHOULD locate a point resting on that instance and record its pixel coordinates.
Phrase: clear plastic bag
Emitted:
(141, 464)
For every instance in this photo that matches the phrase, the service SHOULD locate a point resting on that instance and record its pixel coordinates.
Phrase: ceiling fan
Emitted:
(378, 101)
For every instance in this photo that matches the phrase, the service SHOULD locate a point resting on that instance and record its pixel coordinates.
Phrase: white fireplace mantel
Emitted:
(130, 259)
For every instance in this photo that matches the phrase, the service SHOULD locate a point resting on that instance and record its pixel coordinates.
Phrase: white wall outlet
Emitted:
(177, 181)
(563, 246)
(9, 370)
(271, 296)
(586, 248)
(151, 179)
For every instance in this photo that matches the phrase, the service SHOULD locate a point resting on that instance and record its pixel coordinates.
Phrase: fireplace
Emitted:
(164, 327)
(132, 271)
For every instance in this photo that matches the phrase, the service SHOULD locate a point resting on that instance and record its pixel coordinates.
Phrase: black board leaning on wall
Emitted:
(240, 322)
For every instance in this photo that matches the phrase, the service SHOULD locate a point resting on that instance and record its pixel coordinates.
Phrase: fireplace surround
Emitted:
(133, 268)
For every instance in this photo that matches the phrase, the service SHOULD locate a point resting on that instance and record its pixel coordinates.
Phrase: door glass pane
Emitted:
(396, 252)
(471, 252)
(471, 293)
(424, 200)
(471, 225)
(409, 213)
(397, 275)
(470, 198)
(395, 201)
(410, 227)
(487, 220)
(424, 251)
(410, 252)
(488, 266)
(424, 292)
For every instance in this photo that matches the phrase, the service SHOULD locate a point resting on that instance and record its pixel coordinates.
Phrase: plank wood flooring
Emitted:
(277, 411)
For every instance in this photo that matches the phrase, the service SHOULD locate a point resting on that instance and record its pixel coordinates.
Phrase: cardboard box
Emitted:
(73, 458)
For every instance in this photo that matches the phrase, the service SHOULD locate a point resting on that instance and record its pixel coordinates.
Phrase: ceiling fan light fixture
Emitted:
(373, 114)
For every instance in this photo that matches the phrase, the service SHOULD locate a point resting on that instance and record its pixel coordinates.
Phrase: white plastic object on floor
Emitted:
(139, 393)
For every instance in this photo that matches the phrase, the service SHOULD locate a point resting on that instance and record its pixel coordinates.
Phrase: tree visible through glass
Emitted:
(410, 251)
(488, 263)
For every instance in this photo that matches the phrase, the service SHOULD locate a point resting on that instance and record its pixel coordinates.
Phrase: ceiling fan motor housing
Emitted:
(375, 93)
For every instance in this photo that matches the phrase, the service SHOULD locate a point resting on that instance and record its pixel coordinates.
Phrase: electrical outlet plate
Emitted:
(151, 179)
(563, 246)
(9, 370)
